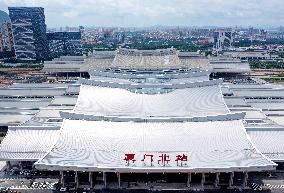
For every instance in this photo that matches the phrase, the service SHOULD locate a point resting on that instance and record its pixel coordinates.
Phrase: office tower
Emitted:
(29, 31)
(64, 44)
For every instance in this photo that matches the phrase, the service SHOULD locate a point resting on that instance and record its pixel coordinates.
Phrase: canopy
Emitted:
(187, 102)
(27, 143)
(218, 146)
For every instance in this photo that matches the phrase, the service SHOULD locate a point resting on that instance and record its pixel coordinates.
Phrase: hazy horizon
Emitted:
(147, 13)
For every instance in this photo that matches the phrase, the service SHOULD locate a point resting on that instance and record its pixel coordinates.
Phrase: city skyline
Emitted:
(134, 13)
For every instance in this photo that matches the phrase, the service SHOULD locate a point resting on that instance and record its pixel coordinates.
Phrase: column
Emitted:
(202, 180)
(104, 177)
(91, 179)
(9, 164)
(76, 179)
(188, 179)
(118, 176)
(231, 179)
(245, 181)
(217, 180)
(62, 179)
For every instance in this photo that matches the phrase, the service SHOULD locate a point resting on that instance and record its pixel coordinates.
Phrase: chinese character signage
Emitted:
(150, 160)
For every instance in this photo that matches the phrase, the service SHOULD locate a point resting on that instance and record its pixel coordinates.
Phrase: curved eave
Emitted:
(220, 117)
(24, 143)
(23, 156)
(126, 75)
(155, 170)
(143, 85)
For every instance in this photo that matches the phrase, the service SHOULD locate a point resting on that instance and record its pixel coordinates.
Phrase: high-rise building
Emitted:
(223, 39)
(29, 31)
(64, 44)
(6, 36)
(7, 39)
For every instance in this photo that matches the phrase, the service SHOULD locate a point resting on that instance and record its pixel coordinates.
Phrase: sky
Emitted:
(143, 13)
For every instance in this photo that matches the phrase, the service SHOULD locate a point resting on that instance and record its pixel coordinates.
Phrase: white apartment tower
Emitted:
(223, 39)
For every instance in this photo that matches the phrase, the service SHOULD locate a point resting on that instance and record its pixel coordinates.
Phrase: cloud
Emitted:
(70, 14)
(157, 12)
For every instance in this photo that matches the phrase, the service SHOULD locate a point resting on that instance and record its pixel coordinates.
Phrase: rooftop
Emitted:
(27, 143)
(188, 102)
(100, 145)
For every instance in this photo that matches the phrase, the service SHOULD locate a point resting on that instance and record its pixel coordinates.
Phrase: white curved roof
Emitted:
(171, 81)
(188, 102)
(202, 63)
(27, 143)
(145, 61)
(94, 63)
(101, 146)
(148, 86)
(175, 73)
(8, 119)
(229, 66)
(277, 119)
(269, 142)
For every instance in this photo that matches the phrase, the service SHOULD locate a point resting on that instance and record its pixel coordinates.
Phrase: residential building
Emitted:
(6, 36)
(7, 40)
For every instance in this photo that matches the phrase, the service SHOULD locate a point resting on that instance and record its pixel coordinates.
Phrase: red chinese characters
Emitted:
(164, 159)
(129, 157)
(148, 157)
(160, 159)
(181, 160)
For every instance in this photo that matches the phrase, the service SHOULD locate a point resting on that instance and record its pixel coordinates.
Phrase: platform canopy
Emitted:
(218, 146)
(188, 102)
(27, 143)
(269, 142)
